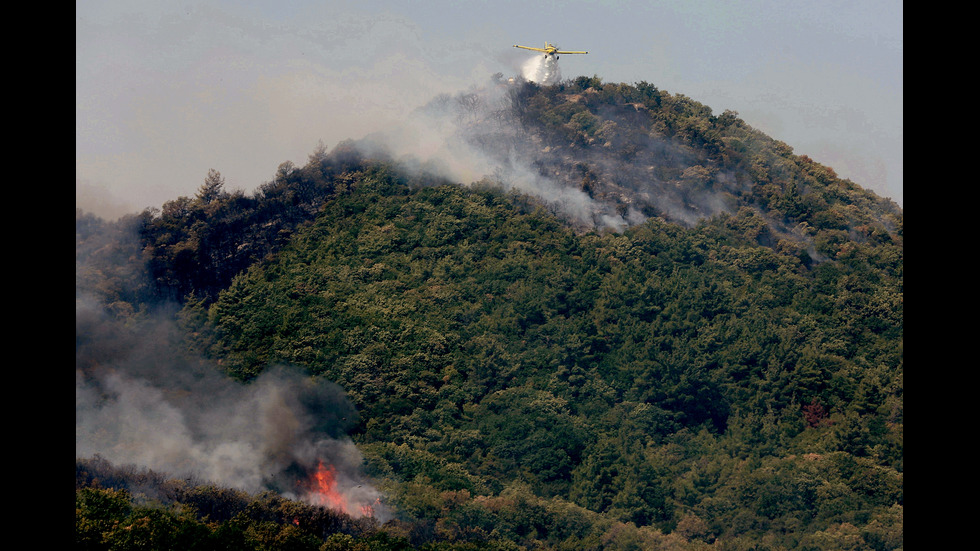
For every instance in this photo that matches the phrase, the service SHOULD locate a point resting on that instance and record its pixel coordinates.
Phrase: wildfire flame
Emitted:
(368, 510)
(324, 488)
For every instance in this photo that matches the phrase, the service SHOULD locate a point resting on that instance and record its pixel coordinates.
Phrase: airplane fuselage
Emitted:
(549, 50)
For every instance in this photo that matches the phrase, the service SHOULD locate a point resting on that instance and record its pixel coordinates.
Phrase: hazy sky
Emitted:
(166, 90)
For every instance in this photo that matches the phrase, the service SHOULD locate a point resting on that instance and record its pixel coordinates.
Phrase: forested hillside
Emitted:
(705, 351)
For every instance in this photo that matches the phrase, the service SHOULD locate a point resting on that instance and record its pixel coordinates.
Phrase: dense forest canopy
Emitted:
(681, 335)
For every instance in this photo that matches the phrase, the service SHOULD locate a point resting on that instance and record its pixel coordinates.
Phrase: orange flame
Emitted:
(368, 510)
(324, 488)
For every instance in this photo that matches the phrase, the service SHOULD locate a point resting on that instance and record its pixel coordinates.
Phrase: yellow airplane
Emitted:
(549, 50)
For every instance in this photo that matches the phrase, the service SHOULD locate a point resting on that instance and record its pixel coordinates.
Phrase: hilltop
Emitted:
(636, 152)
(578, 316)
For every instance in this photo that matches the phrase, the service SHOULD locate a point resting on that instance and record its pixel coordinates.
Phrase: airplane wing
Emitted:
(571, 52)
(530, 48)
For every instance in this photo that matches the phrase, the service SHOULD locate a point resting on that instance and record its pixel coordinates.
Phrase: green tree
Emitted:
(212, 188)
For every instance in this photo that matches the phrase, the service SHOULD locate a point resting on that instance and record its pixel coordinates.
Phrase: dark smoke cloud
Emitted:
(140, 402)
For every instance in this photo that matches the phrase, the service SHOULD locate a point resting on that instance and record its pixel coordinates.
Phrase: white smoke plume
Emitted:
(622, 174)
(138, 403)
(473, 136)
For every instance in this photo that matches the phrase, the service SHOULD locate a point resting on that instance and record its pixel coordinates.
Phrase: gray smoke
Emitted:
(138, 402)
(609, 167)
(474, 137)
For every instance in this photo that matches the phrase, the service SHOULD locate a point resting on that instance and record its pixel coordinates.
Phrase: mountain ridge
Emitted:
(522, 356)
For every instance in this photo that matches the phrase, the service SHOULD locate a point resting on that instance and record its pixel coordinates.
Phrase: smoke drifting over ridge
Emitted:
(606, 168)
(477, 136)
(138, 403)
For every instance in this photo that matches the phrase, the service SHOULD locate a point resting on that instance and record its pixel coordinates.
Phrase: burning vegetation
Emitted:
(323, 488)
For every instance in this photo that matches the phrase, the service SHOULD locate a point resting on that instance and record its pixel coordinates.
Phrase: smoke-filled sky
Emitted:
(166, 91)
